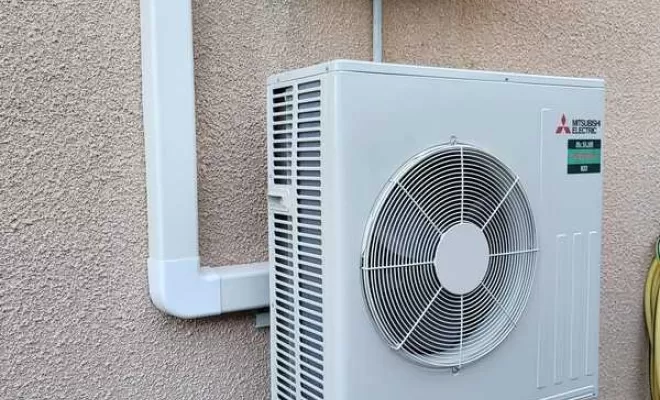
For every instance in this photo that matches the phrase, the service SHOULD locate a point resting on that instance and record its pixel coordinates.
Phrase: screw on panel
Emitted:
(453, 140)
(455, 370)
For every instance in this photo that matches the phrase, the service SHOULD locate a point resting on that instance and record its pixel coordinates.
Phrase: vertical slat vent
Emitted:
(308, 186)
(296, 147)
(285, 320)
(282, 123)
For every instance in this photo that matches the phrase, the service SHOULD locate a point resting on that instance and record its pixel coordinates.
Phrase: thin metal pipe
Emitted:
(378, 31)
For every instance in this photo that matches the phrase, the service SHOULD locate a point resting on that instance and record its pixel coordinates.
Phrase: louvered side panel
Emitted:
(296, 246)
(284, 322)
(310, 263)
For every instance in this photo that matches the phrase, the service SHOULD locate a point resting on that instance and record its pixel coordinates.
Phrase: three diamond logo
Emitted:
(563, 128)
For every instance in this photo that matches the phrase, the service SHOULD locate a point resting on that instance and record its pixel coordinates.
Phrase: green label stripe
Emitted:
(583, 156)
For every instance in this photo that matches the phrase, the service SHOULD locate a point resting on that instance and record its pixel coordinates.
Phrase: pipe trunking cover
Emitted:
(178, 285)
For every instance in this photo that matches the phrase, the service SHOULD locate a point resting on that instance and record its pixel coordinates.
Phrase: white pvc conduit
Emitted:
(177, 283)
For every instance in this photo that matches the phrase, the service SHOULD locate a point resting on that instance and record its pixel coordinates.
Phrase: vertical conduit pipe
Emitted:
(178, 285)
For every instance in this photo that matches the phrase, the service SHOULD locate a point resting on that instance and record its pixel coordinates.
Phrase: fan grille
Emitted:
(435, 191)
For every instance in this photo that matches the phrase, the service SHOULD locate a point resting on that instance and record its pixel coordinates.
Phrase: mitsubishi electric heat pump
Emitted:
(434, 234)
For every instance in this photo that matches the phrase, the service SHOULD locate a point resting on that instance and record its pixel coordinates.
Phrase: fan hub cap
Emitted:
(461, 258)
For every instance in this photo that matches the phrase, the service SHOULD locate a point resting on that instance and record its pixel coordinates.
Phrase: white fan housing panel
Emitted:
(434, 233)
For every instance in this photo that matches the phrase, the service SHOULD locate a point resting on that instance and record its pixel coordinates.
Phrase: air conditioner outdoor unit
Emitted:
(434, 234)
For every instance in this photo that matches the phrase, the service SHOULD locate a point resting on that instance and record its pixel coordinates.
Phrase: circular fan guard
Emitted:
(436, 190)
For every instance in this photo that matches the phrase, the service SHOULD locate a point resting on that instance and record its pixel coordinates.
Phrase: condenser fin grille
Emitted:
(298, 266)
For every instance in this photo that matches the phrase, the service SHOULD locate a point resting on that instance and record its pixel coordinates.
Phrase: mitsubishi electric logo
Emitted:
(563, 128)
(578, 126)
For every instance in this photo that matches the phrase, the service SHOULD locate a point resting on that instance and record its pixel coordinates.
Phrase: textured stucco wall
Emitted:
(75, 319)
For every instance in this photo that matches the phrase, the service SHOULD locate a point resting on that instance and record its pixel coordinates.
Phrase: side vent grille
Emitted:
(298, 323)
(283, 103)
(285, 306)
(308, 199)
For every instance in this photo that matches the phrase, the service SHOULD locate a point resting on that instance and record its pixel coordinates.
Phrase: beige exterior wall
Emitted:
(75, 318)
